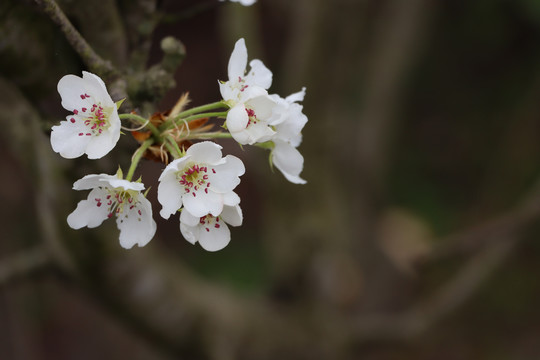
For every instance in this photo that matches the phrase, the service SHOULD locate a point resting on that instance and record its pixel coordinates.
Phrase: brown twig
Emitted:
(94, 62)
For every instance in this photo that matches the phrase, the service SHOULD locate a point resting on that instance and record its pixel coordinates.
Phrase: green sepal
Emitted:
(119, 103)
(119, 173)
(146, 192)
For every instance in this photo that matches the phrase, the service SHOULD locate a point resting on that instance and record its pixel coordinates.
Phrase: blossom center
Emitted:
(119, 201)
(95, 117)
(194, 178)
(252, 118)
(209, 221)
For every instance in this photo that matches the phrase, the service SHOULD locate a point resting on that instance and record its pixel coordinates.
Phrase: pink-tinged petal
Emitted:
(203, 203)
(205, 152)
(227, 175)
(136, 225)
(214, 239)
(232, 215)
(89, 212)
(289, 161)
(259, 75)
(231, 199)
(169, 194)
(92, 181)
(238, 61)
(69, 139)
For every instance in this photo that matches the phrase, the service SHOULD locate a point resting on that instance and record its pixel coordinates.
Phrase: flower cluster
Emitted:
(199, 182)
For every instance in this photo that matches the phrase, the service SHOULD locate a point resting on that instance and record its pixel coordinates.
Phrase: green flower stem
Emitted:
(142, 121)
(173, 148)
(137, 157)
(210, 135)
(198, 109)
(169, 125)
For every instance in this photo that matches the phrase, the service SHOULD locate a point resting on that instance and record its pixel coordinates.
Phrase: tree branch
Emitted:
(94, 62)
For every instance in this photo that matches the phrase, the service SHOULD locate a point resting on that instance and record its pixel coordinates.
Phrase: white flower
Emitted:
(110, 196)
(94, 126)
(244, 2)
(248, 122)
(210, 231)
(237, 89)
(290, 121)
(199, 181)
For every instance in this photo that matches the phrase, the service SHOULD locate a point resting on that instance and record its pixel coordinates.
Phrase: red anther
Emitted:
(207, 229)
(72, 120)
(81, 134)
(87, 95)
(140, 213)
(217, 226)
(214, 171)
(110, 215)
(206, 190)
(98, 204)
(75, 111)
(88, 134)
(194, 195)
(108, 196)
(83, 109)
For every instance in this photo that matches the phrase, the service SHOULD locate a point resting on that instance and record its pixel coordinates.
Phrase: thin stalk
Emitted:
(142, 121)
(137, 157)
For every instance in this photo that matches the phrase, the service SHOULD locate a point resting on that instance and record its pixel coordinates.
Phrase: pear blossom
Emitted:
(94, 126)
(244, 2)
(249, 122)
(237, 89)
(210, 231)
(251, 106)
(290, 122)
(199, 181)
(113, 196)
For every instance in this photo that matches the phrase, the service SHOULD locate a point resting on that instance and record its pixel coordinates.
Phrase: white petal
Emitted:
(296, 97)
(66, 141)
(190, 233)
(102, 94)
(289, 161)
(206, 152)
(262, 105)
(232, 215)
(169, 194)
(226, 176)
(214, 239)
(259, 132)
(88, 213)
(203, 203)
(115, 182)
(231, 199)
(188, 219)
(228, 92)
(136, 228)
(259, 75)
(237, 118)
(93, 180)
(238, 61)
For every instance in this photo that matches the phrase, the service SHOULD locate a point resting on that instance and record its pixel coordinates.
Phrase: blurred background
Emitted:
(416, 236)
